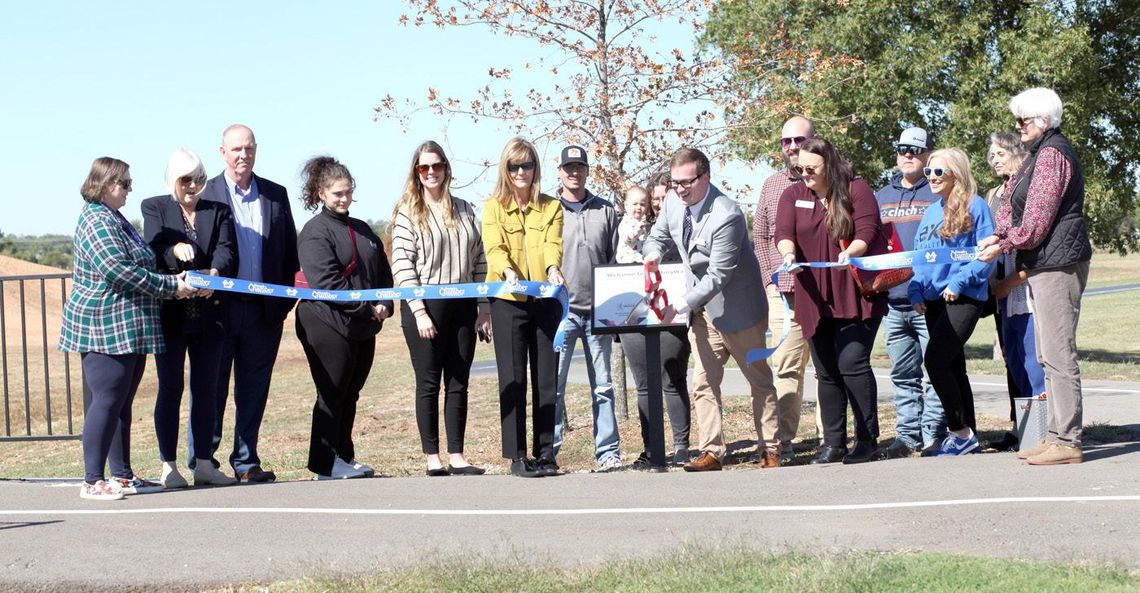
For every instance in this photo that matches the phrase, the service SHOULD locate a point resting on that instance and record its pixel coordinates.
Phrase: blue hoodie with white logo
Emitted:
(964, 278)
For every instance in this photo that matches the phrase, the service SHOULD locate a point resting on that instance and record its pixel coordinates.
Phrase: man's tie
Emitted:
(687, 228)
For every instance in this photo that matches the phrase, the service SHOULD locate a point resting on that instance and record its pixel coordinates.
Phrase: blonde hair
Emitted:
(183, 163)
(956, 218)
(412, 201)
(518, 150)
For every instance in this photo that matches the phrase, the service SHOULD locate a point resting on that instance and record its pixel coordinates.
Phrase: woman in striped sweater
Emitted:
(436, 240)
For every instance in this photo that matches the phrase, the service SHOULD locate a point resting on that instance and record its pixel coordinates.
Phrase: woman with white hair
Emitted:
(951, 297)
(1041, 221)
(187, 233)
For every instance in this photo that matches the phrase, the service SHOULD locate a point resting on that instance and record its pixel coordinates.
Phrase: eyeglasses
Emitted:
(124, 183)
(905, 148)
(808, 170)
(1024, 121)
(683, 183)
(433, 167)
(187, 180)
(934, 171)
(520, 167)
(798, 141)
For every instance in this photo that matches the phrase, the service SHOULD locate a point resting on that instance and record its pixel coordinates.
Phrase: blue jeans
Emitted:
(1021, 354)
(606, 440)
(921, 420)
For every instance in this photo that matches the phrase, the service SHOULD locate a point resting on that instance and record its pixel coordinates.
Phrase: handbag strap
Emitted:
(351, 267)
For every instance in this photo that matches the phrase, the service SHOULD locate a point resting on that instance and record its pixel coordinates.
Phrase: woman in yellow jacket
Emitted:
(522, 237)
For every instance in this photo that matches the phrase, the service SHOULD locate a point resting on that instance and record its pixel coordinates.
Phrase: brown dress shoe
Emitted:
(769, 459)
(256, 475)
(707, 462)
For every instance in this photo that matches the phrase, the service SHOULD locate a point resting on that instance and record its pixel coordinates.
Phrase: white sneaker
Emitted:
(171, 479)
(341, 470)
(134, 485)
(205, 474)
(609, 464)
(99, 491)
(363, 467)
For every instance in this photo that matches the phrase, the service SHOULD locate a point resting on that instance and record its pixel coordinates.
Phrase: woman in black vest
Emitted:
(1040, 220)
(339, 338)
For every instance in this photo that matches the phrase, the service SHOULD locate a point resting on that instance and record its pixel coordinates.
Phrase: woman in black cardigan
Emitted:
(339, 338)
(187, 233)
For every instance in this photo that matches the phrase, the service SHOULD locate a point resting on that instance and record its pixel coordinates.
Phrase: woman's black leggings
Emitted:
(950, 325)
(841, 349)
(449, 354)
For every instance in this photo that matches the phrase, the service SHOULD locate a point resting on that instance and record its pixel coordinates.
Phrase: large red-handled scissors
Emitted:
(655, 297)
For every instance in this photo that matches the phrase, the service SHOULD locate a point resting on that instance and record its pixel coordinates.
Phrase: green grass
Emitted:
(738, 570)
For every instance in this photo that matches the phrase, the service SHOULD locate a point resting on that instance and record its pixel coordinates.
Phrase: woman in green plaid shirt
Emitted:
(112, 319)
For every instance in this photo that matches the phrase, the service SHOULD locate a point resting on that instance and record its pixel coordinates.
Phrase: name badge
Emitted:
(805, 204)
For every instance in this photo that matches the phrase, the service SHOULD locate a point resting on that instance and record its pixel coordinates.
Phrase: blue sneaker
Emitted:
(956, 445)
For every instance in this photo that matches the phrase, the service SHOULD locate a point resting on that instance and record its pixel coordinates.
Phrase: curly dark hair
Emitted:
(318, 173)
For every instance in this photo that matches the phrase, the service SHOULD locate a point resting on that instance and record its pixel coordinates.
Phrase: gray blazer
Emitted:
(722, 272)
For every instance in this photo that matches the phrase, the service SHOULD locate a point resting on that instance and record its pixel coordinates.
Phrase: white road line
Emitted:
(600, 511)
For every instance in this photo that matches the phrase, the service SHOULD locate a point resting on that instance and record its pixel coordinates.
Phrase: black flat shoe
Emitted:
(438, 472)
(524, 468)
(467, 470)
(1008, 442)
(863, 452)
(829, 454)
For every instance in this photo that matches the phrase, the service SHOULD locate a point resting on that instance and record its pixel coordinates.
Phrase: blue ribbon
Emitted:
(905, 259)
(470, 290)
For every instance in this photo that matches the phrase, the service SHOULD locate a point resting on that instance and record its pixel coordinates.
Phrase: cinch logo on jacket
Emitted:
(899, 213)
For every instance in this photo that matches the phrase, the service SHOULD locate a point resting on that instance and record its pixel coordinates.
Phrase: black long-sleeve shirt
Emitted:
(325, 251)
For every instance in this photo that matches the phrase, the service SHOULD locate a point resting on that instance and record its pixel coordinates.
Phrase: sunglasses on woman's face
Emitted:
(808, 170)
(187, 180)
(934, 171)
(433, 167)
(520, 167)
(124, 183)
(1023, 122)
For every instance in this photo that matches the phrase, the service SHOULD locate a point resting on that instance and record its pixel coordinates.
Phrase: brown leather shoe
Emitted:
(707, 462)
(1026, 453)
(769, 459)
(256, 475)
(1057, 454)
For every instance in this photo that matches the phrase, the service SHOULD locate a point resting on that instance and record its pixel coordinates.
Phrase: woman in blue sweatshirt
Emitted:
(951, 296)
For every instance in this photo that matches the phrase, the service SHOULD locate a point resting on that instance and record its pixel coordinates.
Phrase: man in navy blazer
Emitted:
(267, 252)
(728, 312)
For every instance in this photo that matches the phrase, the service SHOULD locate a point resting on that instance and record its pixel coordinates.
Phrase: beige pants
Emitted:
(788, 363)
(713, 349)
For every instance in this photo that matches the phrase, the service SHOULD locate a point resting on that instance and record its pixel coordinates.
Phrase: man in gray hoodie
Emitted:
(589, 239)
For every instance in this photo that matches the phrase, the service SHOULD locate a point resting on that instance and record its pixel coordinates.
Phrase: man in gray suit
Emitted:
(725, 300)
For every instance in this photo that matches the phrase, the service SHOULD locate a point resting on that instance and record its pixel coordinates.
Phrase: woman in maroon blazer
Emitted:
(833, 206)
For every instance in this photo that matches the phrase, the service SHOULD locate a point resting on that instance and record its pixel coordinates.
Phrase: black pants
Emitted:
(449, 354)
(113, 380)
(205, 351)
(950, 325)
(525, 331)
(340, 368)
(675, 352)
(841, 349)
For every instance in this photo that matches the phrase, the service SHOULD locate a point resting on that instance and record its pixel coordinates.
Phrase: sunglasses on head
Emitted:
(126, 184)
(808, 170)
(433, 167)
(905, 148)
(520, 167)
(797, 140)
(934, 171)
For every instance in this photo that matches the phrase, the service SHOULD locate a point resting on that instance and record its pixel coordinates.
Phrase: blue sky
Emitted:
(136, 81)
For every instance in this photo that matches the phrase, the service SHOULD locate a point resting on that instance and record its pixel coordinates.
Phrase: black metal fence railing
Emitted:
(37, 378)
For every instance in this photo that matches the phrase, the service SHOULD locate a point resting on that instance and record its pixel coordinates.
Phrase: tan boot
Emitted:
(1027, 453)
(1057, 455)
